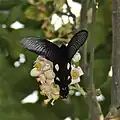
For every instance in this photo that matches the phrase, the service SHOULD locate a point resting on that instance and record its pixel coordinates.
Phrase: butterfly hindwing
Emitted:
(76, 42)
(42, 47)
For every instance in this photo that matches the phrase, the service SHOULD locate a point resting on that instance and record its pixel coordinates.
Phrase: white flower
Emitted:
(76, 73)
(76, 57)
(34, 72)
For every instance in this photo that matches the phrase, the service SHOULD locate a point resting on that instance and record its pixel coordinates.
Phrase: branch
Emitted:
(83, 25)
(94, 106)
(116, 55)
(114, 111)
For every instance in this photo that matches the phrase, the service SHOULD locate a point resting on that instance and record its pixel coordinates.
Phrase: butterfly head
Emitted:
(64, 90)
(63, 83)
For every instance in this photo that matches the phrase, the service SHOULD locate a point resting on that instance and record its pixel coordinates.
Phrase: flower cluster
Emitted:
(43, 71)
(45, 75)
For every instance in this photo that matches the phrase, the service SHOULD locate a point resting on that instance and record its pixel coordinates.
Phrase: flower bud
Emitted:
(46, 67)
(76, 57)
(34, 72)
(49, 74)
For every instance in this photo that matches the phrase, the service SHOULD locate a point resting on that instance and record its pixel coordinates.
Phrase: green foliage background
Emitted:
(16, 83)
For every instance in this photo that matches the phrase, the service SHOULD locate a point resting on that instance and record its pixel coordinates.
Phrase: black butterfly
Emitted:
(60, 56)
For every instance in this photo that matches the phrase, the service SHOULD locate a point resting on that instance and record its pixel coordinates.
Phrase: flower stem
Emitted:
(79, 88)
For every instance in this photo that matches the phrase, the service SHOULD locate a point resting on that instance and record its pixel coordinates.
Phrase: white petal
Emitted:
(32, 98)
(34, 72)
(75, 81)
(80, 71)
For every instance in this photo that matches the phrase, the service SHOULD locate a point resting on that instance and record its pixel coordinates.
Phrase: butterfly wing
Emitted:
(42, 47)
(76, 42)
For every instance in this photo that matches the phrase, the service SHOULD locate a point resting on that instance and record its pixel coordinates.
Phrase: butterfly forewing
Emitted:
(42, 47)
(76, 42)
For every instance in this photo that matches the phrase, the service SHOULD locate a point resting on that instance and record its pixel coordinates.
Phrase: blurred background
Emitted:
(52, 19)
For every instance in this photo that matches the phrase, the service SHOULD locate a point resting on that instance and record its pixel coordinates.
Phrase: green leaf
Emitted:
(4, 46)
(8, 4)
(3, 16)
(15, 14)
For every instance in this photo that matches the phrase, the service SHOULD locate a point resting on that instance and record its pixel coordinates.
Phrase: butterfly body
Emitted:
(60, 56)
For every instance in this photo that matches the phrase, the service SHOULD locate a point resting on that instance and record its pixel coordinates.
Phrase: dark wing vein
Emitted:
(42, 47)
(76, 42)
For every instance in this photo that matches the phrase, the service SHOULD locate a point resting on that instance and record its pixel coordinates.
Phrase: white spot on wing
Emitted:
(57, 78)
(57, 67)
(68, 77)
(68, 66)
